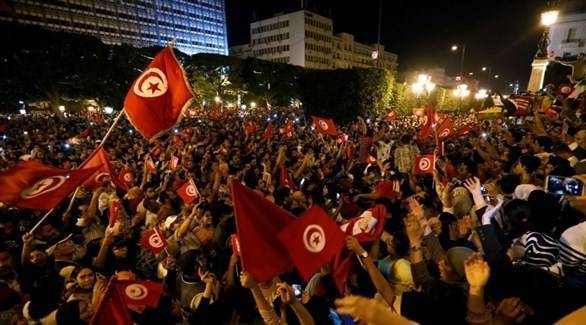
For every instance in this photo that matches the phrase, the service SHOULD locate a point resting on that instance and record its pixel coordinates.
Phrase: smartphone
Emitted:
(297, 290)
(484, 189)
(560, 185)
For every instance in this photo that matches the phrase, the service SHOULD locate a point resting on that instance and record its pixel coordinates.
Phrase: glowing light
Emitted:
(61, 108)
(25, 132)
(243, 106)
(108, 110)
(217, 99)
(252, 104)
(481, 94)
(67, 146)
(462, 91)
(549, 18)
(22, 111)
(483, 68)
(454, 47)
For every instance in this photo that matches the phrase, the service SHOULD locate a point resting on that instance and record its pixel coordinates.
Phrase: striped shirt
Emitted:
(541, 251)
(572, 247)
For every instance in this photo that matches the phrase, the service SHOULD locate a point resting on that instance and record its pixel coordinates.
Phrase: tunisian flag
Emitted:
(285, 179)
(159, 96)
(154, 241)
(428, 122)
(312, 240)
(324, 125)
(141, 293)
(112, 308)
(424, 164)
(391, 116)
(258, 221)
(100, 158)
(32, 185)
(446, 129)
(126, 177)
(188, 192)
(268, 133)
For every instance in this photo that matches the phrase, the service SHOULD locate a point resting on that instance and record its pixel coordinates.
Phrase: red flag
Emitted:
(188, 192)
(312, 240)
(156, 150)
(324, 125)
(100, 158)
(445, 129)
(114, 211)
(258, 222)
(112, 309)
(174, 162)
(250, 128)
(465, 130)
(158, 97)
(428, 122)
(285, 179)
(141, 293)
(154, 241)
(268, 133)
(32, 185)
(424, 164)
(126, 177)
(391, 116)
(366, 228)
(151, 165)
(87, 133)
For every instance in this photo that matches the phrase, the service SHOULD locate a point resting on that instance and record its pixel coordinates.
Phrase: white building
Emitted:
(568, 35)
(306, 39)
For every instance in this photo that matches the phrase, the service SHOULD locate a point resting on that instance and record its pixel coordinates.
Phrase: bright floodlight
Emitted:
(252, 104)
(549, 18)
(108, 110)
(481, 94)
(462, 91)
(423, 78)
(454, 47)
(483, 68)
(22, 111)
(61, 108)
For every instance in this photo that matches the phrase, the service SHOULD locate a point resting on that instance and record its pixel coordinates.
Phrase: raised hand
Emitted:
(247, 280)
(414, 230)
(473, 185)
(477, 271)
(286, 293)
(353, 245)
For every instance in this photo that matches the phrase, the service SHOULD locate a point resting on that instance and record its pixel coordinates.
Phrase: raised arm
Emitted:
(287, 296)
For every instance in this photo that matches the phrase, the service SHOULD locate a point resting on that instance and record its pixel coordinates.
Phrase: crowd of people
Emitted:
(481, 241)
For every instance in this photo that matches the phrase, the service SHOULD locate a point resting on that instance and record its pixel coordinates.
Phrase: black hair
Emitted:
(545, 142)
(545, 211)
(508, 183)
(530, 163)
(517, 213)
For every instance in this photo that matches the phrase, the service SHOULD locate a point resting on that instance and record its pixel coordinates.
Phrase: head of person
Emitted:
(527, 164)
(580, 138)
(84, 277)
(6, 263)
(38, 257)
(120, 248)
(544, 144)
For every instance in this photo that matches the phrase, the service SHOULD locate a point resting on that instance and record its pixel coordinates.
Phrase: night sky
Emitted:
(502, 34)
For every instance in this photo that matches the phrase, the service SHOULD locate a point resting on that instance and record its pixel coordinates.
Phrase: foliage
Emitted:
(345, 94)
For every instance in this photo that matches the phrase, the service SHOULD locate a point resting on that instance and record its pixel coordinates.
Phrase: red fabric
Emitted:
(188, 192)
(371, 160)
(345, 261)
(87, 133)
(174, 162)
(3, 127)
(429, 120)
(324, 125)
(126, 177)
(391, 116)
(156, 150)
(235, 245)
(268, 133)
(285, 179)
(388, 189)
(154, 241)
(424, 164)
(451, 170)
(112, 309)
(156, 100)
(250, 128)
(312, 240)
(99, 158)
(364, 148)
(141, 293)
(445, 130)
(258, 222)
(114, 211)
(32, 185)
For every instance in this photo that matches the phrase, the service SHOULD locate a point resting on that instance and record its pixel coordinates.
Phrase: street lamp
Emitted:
(61, 108)
(252, 104)
(496, 76)
(548, 18)
(462, 91)
(462, 49)
(483, 68)
(481, 94)
(423, 84)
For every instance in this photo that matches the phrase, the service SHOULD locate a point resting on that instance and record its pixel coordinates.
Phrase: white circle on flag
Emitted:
(151, 83)
(136, 291)
(323, 125)
(43, 186)
(155, 241)
(100, 177)
(128, 177)
(190, 190)
(445, 133)
(424, 164)
(314, 238)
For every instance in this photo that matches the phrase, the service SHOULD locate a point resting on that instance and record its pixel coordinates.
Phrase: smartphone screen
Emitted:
(297, 290)
(560, 185)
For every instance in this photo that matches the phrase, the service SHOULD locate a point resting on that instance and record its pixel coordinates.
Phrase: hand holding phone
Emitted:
(568, 186)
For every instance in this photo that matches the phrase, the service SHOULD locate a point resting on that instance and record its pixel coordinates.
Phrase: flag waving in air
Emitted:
(188, 192)
(159, 96)
(424, 164)
(391, 116)
(258, 221)
(112, 308)
(428, 121)
(141, 293)
(154, 241)
(312, 240)
(324, 125)
(100, 158)
(268, 133)
(445, 129)
(32, 185)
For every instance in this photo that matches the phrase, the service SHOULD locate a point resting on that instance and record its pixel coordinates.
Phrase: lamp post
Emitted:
(423, 85)
(541, 59)
(462, 49)
(461, 92)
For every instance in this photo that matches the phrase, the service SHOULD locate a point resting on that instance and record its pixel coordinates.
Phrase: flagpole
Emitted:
(41, 221)
(112, 127)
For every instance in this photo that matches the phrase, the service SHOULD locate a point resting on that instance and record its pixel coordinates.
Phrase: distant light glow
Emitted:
(25, 132)
(67, 146)
(22, 111)
(108, 110)
(61, 108)
(454, 47)
(549, 18)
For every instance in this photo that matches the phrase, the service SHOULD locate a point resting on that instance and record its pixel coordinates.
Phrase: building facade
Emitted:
(196, 25)
(568, 35)
(306, 39)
